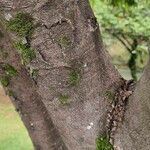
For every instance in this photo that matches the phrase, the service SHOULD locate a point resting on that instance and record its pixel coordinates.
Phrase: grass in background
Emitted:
(13, 134)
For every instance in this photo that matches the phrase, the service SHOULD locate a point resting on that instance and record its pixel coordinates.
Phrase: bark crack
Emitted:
(117, 110)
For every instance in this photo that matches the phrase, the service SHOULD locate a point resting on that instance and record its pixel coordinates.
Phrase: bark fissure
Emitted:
(116, 113)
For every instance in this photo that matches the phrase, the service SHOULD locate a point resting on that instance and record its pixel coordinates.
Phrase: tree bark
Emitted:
(65, 40)
(27, 101)
(134, 133)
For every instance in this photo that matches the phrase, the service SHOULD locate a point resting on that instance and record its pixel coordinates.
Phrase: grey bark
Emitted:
(74, 126)
(135, 131)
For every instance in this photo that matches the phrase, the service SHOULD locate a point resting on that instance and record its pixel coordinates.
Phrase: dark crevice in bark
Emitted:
(116, 113)
(59, 22)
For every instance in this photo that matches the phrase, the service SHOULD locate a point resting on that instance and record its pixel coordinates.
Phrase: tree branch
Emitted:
(122, 41)
(126, 39)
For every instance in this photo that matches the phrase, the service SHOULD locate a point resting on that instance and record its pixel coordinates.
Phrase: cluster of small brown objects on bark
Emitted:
(118, 107)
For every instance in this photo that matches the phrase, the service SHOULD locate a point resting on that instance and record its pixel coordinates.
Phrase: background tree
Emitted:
(129, 25)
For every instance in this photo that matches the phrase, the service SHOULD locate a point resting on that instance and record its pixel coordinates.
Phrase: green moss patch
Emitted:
(34, 73)
(4, 81)
(22, 24)
(102, 143)
(11, 93)
(27, 54)
(9, 72)
(64, 99)
(74, 77)
(64, 41)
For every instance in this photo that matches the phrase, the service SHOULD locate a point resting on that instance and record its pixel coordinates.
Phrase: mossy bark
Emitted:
(51, 126)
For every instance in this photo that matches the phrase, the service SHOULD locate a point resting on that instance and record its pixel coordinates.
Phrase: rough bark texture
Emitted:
(135, 131)
(27, 101)
(66, 39)
(55, 61)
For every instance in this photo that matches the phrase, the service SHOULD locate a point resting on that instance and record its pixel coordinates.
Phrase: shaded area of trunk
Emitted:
(27, 101)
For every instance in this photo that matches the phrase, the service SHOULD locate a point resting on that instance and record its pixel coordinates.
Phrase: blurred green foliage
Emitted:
(121, 3)
(128, 25)
(135, 22)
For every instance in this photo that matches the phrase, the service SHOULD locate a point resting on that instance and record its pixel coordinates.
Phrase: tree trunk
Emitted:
(134, 133)
(66, 105)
